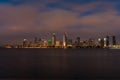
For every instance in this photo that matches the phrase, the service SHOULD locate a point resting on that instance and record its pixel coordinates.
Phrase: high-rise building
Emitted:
(64, 40)
(78, 41)
(53, 39)
(113, 40)
(107, 41)
(91, 42)
(101, 42)
(69, 42)
(39, 41)
(57, 44)
(25, 43)
(49, 42)
(35, 40)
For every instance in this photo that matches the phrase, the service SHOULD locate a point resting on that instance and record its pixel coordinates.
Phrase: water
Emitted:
(59, 64)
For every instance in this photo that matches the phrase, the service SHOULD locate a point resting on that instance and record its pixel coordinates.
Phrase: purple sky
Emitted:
(21, 19)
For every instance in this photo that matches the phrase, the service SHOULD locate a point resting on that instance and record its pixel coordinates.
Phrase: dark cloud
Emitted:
(25, 20)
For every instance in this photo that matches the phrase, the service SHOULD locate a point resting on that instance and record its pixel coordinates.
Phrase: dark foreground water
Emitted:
(59, 64)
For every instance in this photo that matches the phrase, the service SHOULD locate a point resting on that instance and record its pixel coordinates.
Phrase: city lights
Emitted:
(67, 43)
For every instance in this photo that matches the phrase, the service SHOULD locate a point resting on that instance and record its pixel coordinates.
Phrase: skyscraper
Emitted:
(101, 42)
(78, 41)
(53, 39)
(64, 40)
(25, 42)
(35, 40)
(107, 41)
(114, 40)
(91, 42)
(69, 42)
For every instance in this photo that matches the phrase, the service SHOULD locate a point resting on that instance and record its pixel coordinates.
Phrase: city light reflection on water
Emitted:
(60, 63)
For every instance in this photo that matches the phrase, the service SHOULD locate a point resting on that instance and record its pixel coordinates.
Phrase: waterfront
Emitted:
(59, 63)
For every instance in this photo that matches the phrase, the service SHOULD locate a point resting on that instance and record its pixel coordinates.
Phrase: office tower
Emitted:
(42, 42)
(101, 42)
(25, 42)
(107, 41)
(114, 40)
(53, 39)
(45, 43)
(39, 41)
(78, 41)
(58, 43)
(64, 40)
(69, 41)
(49, 42)
(90, 42)
(35, 40)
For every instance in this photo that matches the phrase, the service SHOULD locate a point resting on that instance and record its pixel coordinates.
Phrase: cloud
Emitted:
(86, 7)
(97, 6)
(28, 17)
(102, 22)
(22, 19)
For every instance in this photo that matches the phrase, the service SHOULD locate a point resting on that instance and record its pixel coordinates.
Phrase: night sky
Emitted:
(21, 19)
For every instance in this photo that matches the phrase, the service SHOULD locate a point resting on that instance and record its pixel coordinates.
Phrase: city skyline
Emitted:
(21, 19)
(58, 37)
(66, 42)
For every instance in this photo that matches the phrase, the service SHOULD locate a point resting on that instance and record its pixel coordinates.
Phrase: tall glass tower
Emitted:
(114, 40)
(107, 41)
(53, 39)
(78, 41)
(64, 40)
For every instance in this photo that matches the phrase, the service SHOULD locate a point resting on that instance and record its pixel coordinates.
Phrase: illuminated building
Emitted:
(49, 42)
(69, 43)
(64, 40)
(53, 39)
(107, 41)
(35, 40)
(39, 41)
(78, 41)
(101, 42)
(114, 40)
(91, 42)
(57, 44)
(85, 44)
(66, 43)
(25, 42)
(8, 46)
(45, 43)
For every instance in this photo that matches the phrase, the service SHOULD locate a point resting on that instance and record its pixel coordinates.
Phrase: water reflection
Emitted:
(60, 63)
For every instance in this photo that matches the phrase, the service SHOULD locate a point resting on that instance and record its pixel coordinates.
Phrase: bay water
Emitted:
(59, 63)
